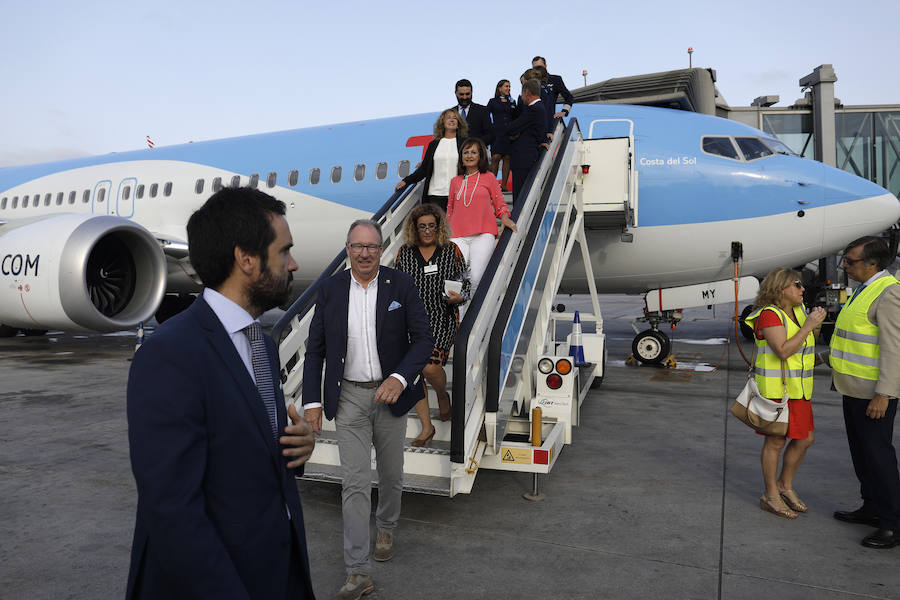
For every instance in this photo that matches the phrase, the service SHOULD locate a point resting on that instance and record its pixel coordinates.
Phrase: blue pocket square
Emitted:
(394, 306)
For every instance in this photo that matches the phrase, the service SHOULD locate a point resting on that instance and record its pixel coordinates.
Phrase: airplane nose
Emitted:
(855, 207)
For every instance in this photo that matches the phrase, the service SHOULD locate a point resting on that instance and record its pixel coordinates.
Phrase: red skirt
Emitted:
(800, 419)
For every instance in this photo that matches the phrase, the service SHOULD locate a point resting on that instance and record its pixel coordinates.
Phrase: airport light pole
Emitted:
(584, 74)
(690, 58)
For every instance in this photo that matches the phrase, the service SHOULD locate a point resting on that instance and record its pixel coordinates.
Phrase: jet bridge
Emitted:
(498, 371)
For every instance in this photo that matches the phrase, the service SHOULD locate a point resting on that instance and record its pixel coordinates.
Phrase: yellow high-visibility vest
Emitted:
(798, 367)
(854, 345)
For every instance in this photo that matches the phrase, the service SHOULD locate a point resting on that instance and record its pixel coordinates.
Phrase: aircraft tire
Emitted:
(8, 331)
(746, 330)
(651, 347)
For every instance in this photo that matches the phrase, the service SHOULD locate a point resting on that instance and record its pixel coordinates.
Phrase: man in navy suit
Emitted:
(212, 453)
(527, 132)
(477, 116)
(556, 87)
(372, 333)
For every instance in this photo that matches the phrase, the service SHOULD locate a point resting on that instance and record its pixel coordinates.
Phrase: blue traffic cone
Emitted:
(576, 347)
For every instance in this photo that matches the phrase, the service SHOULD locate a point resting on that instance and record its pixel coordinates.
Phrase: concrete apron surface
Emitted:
(656, 498)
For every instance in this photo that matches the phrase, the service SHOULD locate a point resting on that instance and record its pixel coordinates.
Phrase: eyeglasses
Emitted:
(427, 226)
(851, 261)
(358, 248)
(798, 285)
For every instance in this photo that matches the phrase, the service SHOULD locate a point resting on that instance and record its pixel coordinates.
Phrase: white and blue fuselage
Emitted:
(691, 203)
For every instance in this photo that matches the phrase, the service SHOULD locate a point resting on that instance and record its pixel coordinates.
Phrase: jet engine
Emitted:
(78, 273)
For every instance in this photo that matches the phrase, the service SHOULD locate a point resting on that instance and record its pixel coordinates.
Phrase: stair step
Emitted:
(420, 484)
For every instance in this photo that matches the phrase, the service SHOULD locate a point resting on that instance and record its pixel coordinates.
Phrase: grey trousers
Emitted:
(360, 423)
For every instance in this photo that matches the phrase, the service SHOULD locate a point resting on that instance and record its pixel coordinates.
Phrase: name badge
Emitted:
(430, 269)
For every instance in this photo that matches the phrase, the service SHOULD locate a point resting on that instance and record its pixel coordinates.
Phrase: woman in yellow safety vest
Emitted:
(785, 357)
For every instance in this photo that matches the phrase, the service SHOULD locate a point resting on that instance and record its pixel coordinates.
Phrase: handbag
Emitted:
(760, 413)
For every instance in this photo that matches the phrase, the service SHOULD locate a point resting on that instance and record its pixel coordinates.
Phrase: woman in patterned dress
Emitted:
(431, 259)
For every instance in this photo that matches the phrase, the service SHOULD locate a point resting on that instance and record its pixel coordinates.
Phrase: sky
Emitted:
(90, 77)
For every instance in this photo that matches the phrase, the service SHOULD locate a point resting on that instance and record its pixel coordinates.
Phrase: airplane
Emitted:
(99, 243)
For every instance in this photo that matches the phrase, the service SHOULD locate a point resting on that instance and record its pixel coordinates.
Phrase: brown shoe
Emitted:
(384, 547)
(357, 586)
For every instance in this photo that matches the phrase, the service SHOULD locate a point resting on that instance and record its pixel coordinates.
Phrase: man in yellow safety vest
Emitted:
(865, 359)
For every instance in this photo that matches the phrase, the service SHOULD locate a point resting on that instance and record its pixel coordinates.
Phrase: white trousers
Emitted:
(477, 250)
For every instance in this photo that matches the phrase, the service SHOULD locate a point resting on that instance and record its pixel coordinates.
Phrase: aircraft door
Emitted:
(125, 198)
(609, 198)
(101, 201)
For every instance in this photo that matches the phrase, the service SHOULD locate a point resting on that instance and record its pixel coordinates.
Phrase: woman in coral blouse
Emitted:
(473, 207)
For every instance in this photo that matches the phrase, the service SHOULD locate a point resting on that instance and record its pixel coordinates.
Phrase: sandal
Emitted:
(791, 498)
(767, 505)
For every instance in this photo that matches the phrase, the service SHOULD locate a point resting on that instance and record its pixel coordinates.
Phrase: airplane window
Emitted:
(168, 189)
(293, 177)
(314, 176)
(86, 196)
(720, 146)
(3, 204)
(236, 181)
(72, 196)
(271, 179)
(403, 169)
(154, 188)
(336, 174)
(126, 192)
(139, 192)
(753, 148)
(254, 180)
(778, 147)
(216, 184)
(25, 202)
(47, 199)
(359, 172)
(381, 170)
(59, 198)
(101, 194)
(15, 201)
(198, 187)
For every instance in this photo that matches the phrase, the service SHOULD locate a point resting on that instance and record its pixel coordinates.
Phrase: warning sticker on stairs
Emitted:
(521, 456)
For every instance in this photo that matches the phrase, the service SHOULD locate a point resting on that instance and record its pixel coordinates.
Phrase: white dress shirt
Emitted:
(362, 362)
(233, 318)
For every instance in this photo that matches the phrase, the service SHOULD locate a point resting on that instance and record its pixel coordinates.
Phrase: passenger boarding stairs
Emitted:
(508, 326)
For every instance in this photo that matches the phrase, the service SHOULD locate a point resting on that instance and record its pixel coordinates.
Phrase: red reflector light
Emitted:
(554, 381)
(542, 457)
(585, 169)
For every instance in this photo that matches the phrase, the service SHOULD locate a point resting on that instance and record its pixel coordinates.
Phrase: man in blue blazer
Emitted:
(372, 333)
(527, 132)
(212, 453)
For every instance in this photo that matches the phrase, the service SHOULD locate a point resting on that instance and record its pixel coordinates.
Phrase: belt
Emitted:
(366, 385)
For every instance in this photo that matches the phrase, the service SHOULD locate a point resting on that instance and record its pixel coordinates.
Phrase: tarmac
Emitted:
(657, 497)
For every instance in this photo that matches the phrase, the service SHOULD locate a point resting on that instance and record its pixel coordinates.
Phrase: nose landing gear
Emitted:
(652, 347)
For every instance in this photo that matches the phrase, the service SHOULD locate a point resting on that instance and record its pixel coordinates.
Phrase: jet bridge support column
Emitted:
(821, 82)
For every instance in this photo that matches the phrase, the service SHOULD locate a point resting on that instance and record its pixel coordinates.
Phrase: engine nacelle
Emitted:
(79, 273)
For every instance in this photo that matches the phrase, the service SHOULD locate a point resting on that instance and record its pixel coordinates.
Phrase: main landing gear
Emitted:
(652, 346)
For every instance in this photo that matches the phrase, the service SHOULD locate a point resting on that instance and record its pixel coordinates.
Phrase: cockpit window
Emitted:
(753, 148)
(720, 146)
(778, 146)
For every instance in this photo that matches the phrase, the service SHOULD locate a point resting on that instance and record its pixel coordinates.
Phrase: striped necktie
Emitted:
(262, 372)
